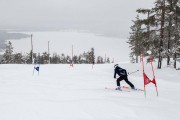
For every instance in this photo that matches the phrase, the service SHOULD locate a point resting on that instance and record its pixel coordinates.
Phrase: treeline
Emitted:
(45, 58)
(159, 32)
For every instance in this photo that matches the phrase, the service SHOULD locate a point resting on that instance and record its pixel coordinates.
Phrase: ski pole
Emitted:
(34, 68)
(133, 72)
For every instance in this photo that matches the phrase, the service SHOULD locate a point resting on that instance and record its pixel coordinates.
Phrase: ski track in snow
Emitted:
(61, 92)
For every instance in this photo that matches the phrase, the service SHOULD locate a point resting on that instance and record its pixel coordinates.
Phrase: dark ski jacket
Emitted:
(120, 72)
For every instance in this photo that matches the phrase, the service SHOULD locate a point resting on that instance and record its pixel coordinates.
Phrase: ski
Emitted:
(136, 89)
(125, 89)
(122, 90)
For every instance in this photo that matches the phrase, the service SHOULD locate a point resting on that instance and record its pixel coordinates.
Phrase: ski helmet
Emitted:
(116, 65)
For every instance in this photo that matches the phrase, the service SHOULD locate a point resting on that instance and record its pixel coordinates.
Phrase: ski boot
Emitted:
(118, 88)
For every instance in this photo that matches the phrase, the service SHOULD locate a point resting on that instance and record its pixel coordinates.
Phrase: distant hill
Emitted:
(5, 35)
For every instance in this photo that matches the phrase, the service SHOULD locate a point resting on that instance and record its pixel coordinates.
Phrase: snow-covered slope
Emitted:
(61, 92)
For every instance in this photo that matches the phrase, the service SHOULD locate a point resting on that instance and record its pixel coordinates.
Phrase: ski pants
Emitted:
(125, 79)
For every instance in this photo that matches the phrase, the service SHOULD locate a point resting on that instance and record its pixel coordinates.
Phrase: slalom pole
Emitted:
(143, 74)
(33, 69)
(153, 74)
(39, 70)
(156, 90)
(144, 91)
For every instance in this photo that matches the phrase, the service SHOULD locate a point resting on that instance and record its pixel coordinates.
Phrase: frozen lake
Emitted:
(62, 41)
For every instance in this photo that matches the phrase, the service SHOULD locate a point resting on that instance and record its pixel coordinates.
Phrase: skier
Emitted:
(123, 76)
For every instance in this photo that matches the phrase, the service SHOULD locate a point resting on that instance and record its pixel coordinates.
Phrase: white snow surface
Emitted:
(61, 92)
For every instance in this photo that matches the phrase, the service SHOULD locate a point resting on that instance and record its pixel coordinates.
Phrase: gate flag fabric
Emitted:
(146, 78)
(37, 68)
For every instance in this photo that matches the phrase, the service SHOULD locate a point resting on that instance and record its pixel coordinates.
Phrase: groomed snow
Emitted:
(61, 92)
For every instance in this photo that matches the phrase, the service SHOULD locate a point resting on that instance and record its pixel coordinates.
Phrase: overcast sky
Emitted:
(110, 17)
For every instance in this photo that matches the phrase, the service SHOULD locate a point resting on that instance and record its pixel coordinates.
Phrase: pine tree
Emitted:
(18, 58)
(8, 56)
(132, 59)
(91, 56)
(68, 59)
(63, 59)
(99, 60)
(136, 38)
(148, 31)
(161, 34)
(75, 59)
(55, 58)
(108, 60)
(176, 30)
